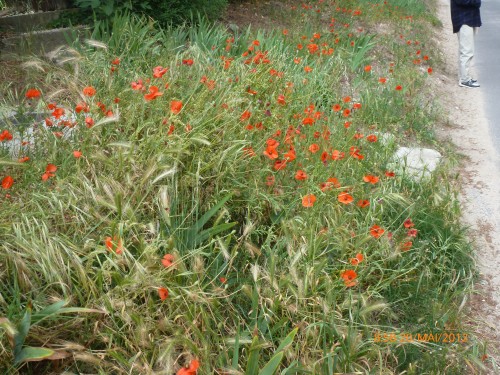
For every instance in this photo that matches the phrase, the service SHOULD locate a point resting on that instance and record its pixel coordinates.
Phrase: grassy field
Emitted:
(224, 201)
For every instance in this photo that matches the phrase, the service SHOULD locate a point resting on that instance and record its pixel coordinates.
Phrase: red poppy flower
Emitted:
(163, 293)
(314, 148)
(345, 198)
(281, 99)
(368, 68)
(371, 138)
(349, 278)
(370, 179)
(382, 80)
(357, 260)
(300, 175)
(312, 47)
(271, 152)
(250, 91)
(191, 370)
(333, 181)
(354, 152)
(308, 121)
(308, 200)
(187, 62)
(399, 87)
(308, 69)
(406, 246)
(336, 107)
(363, 203)
(33, 94)
(167, 260)
(390, 173)
(108, 241)
(137, 85)
(159, 71)
(24, 159)
(376, 231)
(245, 115)
(337, 155)
(77, 154)
(279, 165)
(116, 61)
(82, 107)
(324, 157)
(7, 182)
(153, 93)
(89, 91)
(325, 186)
(408, 223)
(175, 106)
(412, 232)
(290, 155)
(5, 136)
(110, 244)
(346, 99)
(89, 122)
(58, 113)
(50, 168)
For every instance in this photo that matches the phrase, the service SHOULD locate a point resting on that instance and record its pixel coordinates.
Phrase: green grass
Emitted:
(256, 282)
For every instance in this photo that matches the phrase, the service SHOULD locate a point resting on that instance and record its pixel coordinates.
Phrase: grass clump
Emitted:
(229, 200)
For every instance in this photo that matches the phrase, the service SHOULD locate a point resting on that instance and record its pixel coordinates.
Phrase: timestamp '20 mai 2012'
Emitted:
(439, 337)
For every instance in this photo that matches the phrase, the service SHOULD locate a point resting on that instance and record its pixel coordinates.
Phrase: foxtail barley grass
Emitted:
(229, 199)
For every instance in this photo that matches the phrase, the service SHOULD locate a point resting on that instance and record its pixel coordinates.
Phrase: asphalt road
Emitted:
(487, 64)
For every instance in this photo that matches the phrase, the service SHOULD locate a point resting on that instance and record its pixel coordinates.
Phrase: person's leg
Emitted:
(465, 52)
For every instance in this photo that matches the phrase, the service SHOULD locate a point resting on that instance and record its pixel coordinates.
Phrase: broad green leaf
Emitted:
(47, 311)
(23, 328)
(207, 233)
(287, 340)
(273, 364)
(29, 354)
(253, 357)
(210, 213)
(57, 308)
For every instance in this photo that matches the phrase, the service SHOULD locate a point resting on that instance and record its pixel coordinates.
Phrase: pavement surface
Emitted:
(487, 62)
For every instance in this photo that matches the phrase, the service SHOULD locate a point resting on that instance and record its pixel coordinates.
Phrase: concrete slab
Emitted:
(417, 163)
(25, 127)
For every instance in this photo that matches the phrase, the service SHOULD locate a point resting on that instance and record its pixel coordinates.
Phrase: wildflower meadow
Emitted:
(214, 200)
